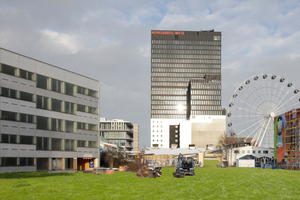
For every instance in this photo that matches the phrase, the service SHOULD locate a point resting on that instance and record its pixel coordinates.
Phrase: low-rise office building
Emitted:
(118, 132)
(48, 116)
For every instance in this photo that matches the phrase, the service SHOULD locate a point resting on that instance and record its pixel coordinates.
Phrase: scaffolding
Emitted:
(291, 141)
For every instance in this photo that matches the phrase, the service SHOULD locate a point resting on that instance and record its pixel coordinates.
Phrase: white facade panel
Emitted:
(9, 127)
(160, 131)
(185, 134)
(27, 64)
(58, 115)
(8, 81)
(9, 58)
(87, 118)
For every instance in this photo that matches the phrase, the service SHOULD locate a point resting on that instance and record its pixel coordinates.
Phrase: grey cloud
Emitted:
(110, 41)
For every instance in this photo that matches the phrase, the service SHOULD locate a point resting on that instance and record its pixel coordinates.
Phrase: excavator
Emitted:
(185, 166)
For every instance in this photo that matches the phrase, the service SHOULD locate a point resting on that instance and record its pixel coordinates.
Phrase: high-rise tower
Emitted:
(185, 81)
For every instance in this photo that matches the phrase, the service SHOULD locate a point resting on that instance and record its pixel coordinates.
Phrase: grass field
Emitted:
(209, 183)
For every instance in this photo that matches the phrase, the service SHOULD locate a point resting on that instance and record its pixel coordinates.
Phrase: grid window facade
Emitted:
(177, 58)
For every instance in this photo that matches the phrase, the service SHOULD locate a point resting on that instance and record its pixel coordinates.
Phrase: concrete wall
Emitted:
(207, 130)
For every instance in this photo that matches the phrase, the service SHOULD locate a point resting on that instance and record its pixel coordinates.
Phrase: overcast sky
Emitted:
(110, 41)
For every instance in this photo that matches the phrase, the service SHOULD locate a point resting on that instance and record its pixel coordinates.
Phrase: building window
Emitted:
(259, 151)
(92, 110)
(56, 105)
(11, 116)
(26, 139)
(26, 96)
(42, 123)
(69, 126)
(81, 90)
(93, 144)
(41, 82)
(80, 108)
(42, 143)
(56, 124)
(92, 93)
(56, 144)
(217, 37)
(6, 138)
(42, 102)
(56, 85)
(243, 151)
(69, 89)
(253, 151)
(81, 125)
(26, 75)
(69, 145)
(80, 143)
(9, 93)
(265, 152)
(92, 127)
(9, 162)
(26, 161)
(248, 151)
(6, 69)
(69, 107)
(26, 118)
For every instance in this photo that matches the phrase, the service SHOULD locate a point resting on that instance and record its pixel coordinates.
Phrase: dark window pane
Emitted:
(41, 81)
(26, 139)
(69, 89)
(13, 139)
(5, 115)
(56, 85)
(13, 93)
(56, 144)
(5, 162)
(6, 69)
(80, 108)
(5, 92)
(42, 123)
(56, 105)
(26, 96)
(69, 126)
(4, 138)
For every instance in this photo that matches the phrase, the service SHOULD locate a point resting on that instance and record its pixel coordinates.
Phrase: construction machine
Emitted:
(185, 166)
(148, 170)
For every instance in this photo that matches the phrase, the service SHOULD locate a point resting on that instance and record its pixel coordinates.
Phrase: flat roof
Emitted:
(48, 64)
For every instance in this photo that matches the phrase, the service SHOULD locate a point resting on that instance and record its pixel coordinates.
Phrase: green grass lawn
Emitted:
(209, 183)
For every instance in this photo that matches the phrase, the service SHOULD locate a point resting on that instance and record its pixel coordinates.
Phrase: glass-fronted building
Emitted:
(185, 82)
(117, 132)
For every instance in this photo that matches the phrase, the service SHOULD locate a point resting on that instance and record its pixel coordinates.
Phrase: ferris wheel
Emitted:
(256, 102)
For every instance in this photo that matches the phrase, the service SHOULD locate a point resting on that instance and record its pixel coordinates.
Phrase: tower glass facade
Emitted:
(180, 59)
(185, 83)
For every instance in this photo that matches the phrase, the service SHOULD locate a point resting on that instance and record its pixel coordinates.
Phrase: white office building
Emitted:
(48, 116)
